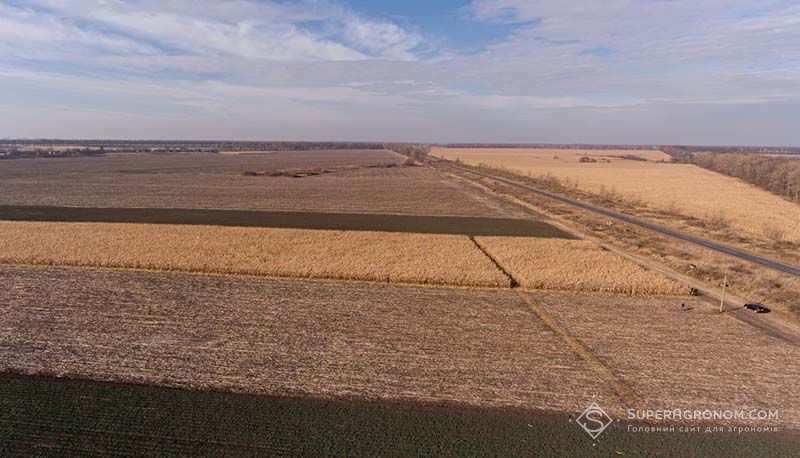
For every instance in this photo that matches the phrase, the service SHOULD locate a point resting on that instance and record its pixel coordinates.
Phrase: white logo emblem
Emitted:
(594, 420)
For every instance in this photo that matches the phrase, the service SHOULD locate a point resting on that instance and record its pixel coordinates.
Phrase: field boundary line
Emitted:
(626, 393)
(244, 276)
(512, 281)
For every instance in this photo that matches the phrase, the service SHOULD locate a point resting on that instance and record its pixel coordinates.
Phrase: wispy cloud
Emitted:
(316, 68)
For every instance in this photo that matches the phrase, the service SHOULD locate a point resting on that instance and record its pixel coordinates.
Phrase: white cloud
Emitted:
(318, 69)
(248, 29)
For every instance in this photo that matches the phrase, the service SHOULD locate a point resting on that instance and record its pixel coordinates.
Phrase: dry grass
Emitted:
(682, 188)
(297, 338)
(292, 253)
(574, 265)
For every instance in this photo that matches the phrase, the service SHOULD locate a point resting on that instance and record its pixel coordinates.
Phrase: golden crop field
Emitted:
(523, 156)
(684, 188)
(290, 253)
(574, 265)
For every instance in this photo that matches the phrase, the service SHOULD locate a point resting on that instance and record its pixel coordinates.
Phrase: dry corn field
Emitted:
(289, 253)
(575, 265)
(682, 188)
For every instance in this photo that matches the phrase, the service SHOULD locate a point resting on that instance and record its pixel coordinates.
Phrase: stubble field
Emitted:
(695, 359)
(682, 188)
(216, 181)
(324, 340)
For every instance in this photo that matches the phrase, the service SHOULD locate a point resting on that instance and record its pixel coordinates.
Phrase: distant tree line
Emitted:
(775, 174)
(172, 146)
(417, 153)
(11, 153)
(779, 175)
(788, 150)
(550, 146)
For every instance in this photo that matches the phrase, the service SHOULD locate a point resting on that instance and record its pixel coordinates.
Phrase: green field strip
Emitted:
(476, 226)
(42, 416)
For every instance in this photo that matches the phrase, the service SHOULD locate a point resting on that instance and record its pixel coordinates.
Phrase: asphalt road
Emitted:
(740, 254)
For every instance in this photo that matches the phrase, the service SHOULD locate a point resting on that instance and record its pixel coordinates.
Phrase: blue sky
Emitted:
(617, 71)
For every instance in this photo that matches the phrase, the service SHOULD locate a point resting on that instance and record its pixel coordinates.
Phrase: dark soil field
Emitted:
(290, 338)
(216, 181)
(58, 417)
(294, 220)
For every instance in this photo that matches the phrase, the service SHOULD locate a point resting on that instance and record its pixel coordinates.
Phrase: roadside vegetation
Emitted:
(414, 153)
(757, 284)
(696, 195)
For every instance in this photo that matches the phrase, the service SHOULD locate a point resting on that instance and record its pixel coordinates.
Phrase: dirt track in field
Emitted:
(697, 359)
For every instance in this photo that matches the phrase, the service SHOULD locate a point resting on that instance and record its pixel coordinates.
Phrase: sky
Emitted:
(718, 72)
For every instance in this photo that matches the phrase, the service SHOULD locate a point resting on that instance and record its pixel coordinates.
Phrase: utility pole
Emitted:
(722, 299)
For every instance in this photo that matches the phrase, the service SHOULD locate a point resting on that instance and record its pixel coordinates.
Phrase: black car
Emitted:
(758, 308)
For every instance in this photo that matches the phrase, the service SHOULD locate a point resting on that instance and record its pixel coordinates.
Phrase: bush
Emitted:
(416, 152)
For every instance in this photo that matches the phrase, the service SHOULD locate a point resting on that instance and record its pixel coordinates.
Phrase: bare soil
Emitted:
(215, 181)
(426, 224)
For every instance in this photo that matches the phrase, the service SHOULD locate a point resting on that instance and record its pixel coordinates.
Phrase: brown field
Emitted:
(270, 252)
(681, 188)
(542, 156)
(297, 338)
(574, 265)
(689, 360)
(214, 181)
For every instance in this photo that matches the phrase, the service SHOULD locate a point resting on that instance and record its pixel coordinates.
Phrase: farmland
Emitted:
(160, 421)
(335, 255)
(524, 157)
(406, 310)
(426, 224)
(574, 265)
(268, 252)
(674, 188)
(684, 359)
(289, 338)
(215, 181)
